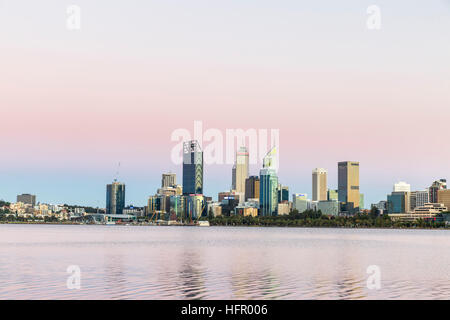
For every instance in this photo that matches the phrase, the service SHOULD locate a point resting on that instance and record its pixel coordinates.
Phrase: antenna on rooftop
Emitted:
(117, 172)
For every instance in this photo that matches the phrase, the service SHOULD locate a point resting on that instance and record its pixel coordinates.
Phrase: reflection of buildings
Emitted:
(253, 281)
(115, 276)
(191, 277)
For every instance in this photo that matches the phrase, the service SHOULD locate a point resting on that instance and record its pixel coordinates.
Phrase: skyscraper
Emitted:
(252, 188)
(301, 202)
(402, 187)
(115, 198)
(418, 199)
(26, 198)
(398, 202)
(319, 184)
(348, 185)
(435, 187)
(444, 198)
(268, 185)
(168, 180)
(233, 177)
(192, 168)
(240, 170)
(282, 193)
(332, 194)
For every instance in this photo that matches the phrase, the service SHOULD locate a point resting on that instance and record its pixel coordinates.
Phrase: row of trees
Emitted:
(311, 218)
(14, 218)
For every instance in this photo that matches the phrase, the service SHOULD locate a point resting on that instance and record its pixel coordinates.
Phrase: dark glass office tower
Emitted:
(192, 168)
(115, 198)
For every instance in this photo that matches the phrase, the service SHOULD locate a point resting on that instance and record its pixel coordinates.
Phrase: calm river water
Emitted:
(130, 262)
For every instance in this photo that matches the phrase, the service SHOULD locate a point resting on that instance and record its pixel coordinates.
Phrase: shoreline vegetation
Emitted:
(307, 219)
(315, 219)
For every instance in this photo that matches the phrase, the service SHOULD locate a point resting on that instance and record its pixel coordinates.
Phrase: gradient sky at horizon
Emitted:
(75, 103)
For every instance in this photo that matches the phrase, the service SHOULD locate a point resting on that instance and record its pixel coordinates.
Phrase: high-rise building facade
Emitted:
(241, 170)
(115, 198)
(361, 201)
(195, 206)
(332, 195)
(252, 188)
(301, 202)
(283, 193)
(192, 168)
(26, 198)
(319, 184)
(444, 198)
(168, 180)
(402, 187)
(348, 185)
(398, 202)
(418, 199)
(268, 196)
(268, 185)
(329, 207)
(435, 187)
(233, 177)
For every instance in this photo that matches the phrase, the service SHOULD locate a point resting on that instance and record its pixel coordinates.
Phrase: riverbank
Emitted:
(389, 227)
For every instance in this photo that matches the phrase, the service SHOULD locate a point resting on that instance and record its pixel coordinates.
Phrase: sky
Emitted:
(75, 103)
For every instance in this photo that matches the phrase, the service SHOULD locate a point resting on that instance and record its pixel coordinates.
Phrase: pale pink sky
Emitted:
(74, 103)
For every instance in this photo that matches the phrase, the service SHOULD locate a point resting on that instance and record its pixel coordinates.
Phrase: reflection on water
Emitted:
(119, 262)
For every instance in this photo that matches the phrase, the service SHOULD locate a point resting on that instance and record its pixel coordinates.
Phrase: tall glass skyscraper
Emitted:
(115, 198)
(268, 185)
(192, 168)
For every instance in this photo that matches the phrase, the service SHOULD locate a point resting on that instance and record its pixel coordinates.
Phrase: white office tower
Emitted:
(240, 170)
(319, 184)
(402, 187)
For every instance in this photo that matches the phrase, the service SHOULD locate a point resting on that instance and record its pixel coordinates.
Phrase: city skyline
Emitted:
(271, 191)
(397, 186)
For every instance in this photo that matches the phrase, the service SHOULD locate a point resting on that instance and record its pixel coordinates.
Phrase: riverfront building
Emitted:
(348, 185)
(444, 198)
(240, 170)
(192, 168)
(115, 198)
(252, 188)
(168, 180)
(398, 202)
(29, 199)
(268, 195)
(300, 202)
(319, 184)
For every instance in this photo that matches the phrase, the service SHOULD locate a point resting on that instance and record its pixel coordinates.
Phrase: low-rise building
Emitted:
(329, 207)
(427, 211)
(246, 211)
(284, 208)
